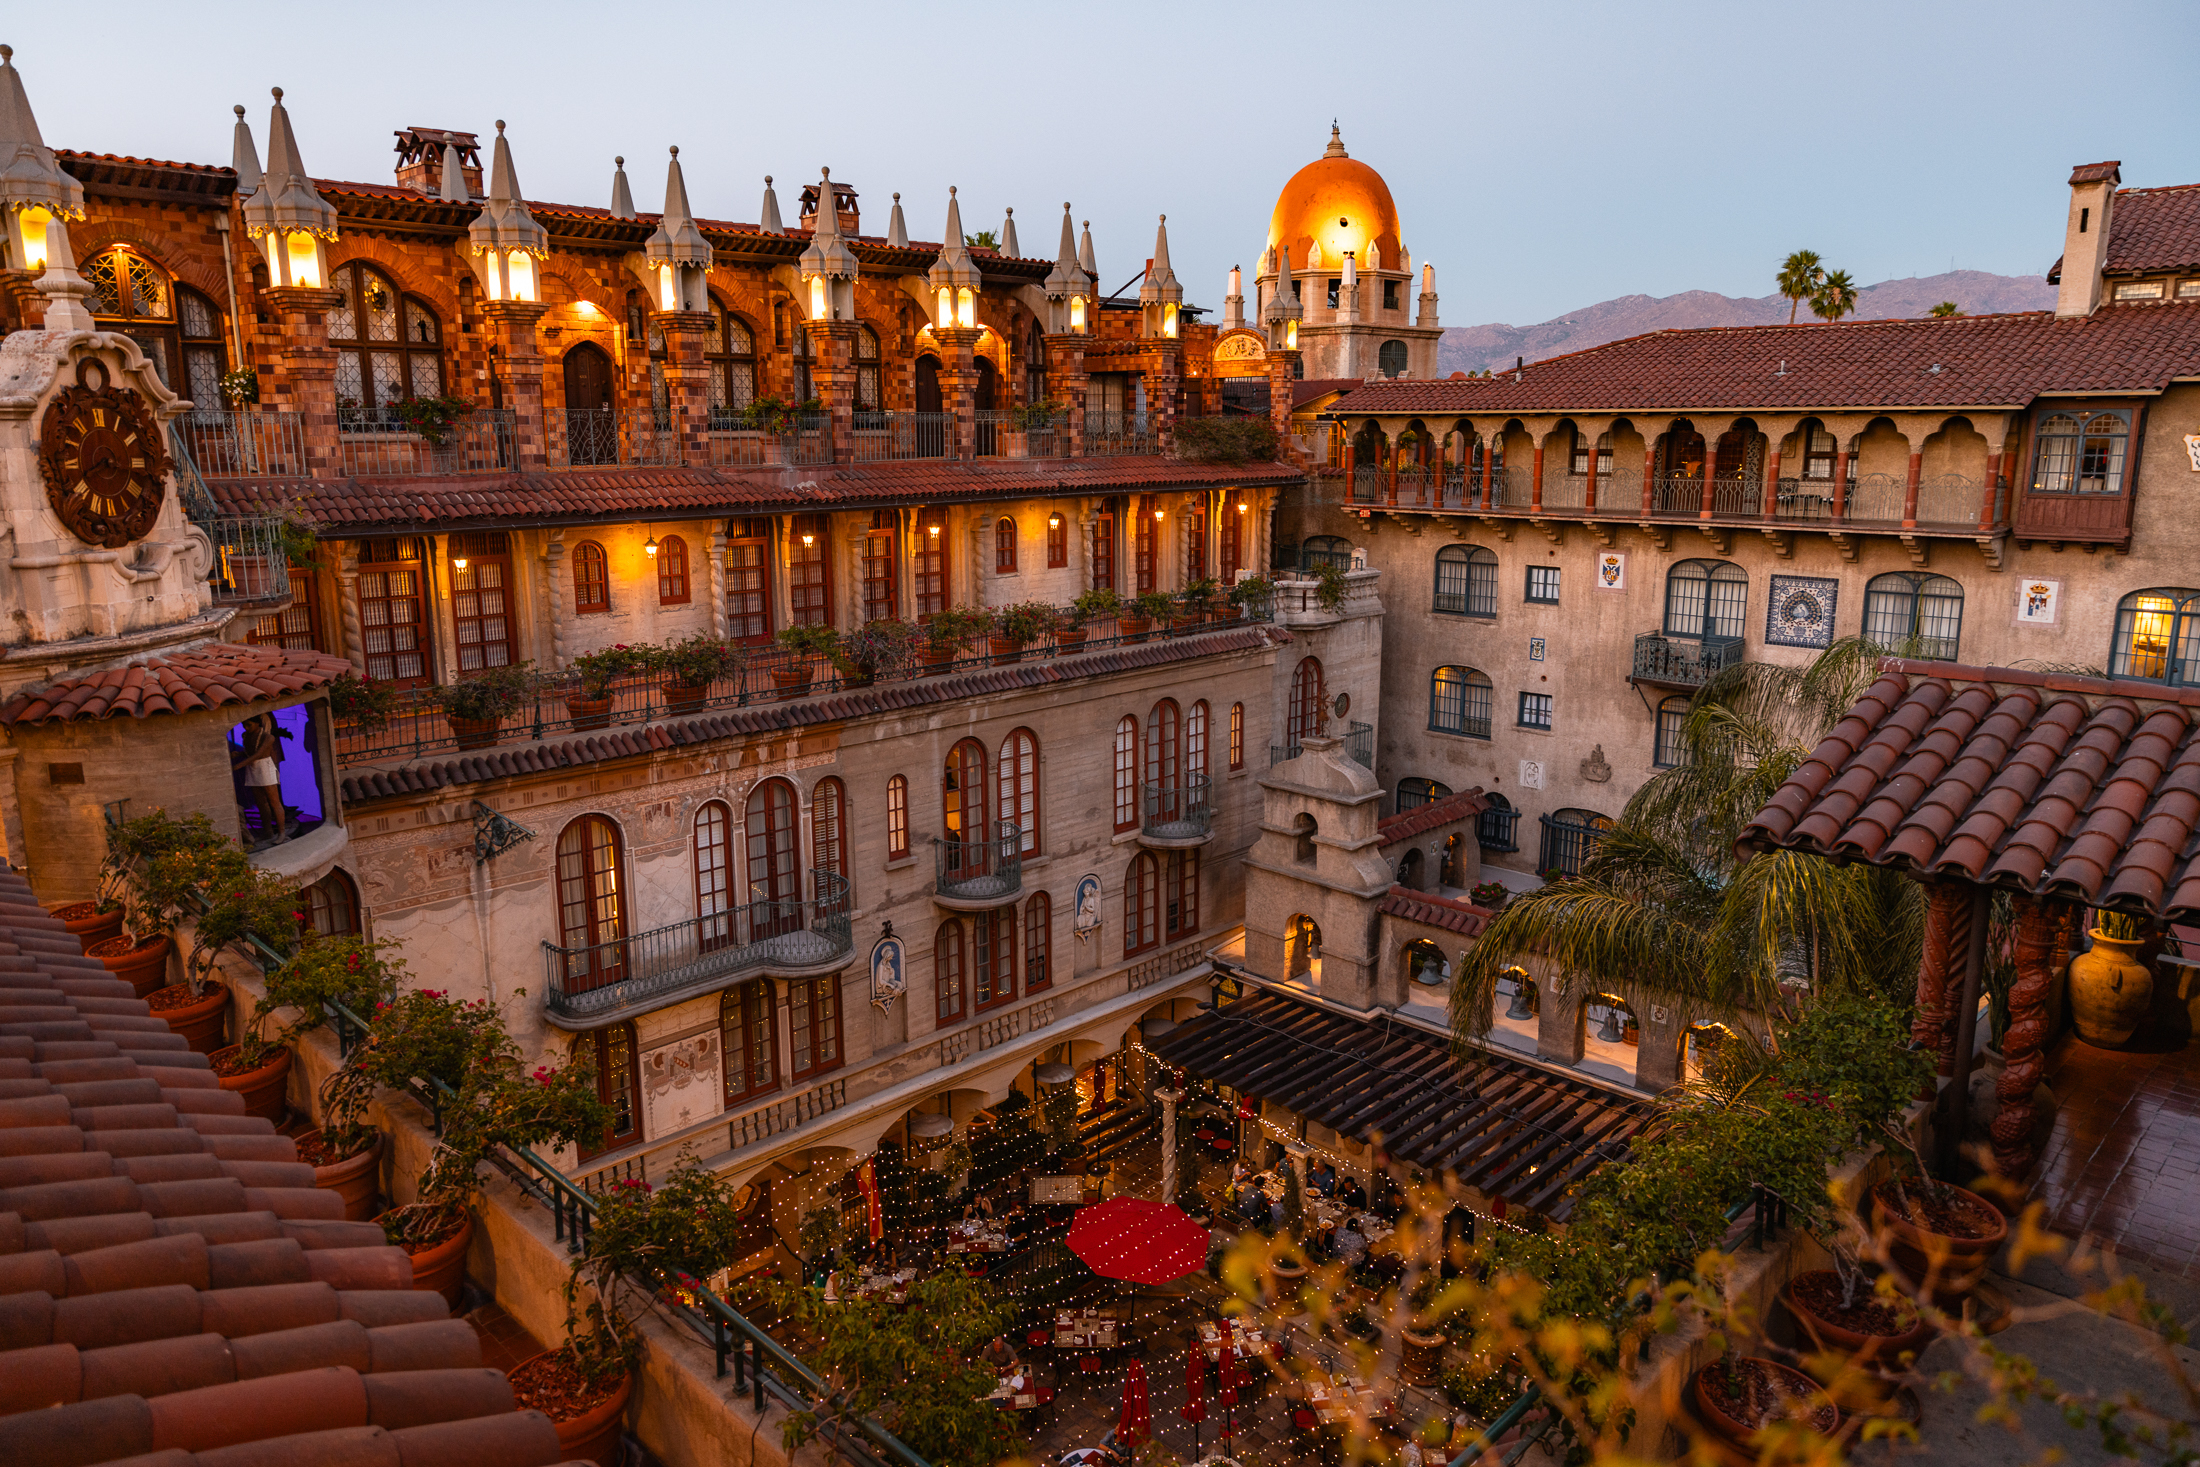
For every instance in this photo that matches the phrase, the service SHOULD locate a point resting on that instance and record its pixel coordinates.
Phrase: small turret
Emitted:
(897, 228)
(677, 251)
(622, 197)
(767, 217)
(954, 275)
(244, 157)
(1160, 296)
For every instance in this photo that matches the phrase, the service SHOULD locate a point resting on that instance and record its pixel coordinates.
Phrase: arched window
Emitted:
(481, 589)
(1302, 943)
(1195, 742)
(746, 1029)
(1914, 615)
(174, 324)
(1459, 702)
(773, 879)
(1126, 773)
(1425, 963)
(993, 964)
(748, 581)
(618, 1084)
(1035, 366)
(1466, 581)
(1019, 781)
(332, 906)
(1414, 792)
(897, 817)
(1304, 827)
(393, 611)
(1180, 916)
(2158, 636)
(2071, 456)
(947, 973)
(672, 571)
(1706, 598)
(868, 399)
(591, 578)
(1237, 735)
(1038, 942)
(802, 355)
(1164, 751)
(731, 352)
(1004, 546)
(1568, 838)
(388, 348)
(1670, 749)
(962, 792)
(1103, 546)
(1141, 904)
(829, 842)
(1329, 550)
(1057, 540)
(714, 927)
(1390, 357)
(591, 903)
(1306, 716)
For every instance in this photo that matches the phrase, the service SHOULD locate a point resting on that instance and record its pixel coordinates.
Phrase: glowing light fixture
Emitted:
(667, 296)
(1077, 315)
(932, 530)
(586, 308)
(520, 275)
(305, 259)
(966, 307)
(1054, 522)
(1168, 319)
(947, 307)
(1242, 506)
(34, 221)
(817, 298)
(1157, 514)
(649, 547)
(809, 537)
(458, 562)
(1291, 336)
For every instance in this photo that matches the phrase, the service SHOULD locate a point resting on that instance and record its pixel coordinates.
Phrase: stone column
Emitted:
(1535, 487)
(553, 579)
(833, 371)
(1490, 450)
(1589, 489)
(1559, 1018)
(1711, 436)
(2023, 1044)
(1169, 1099)
(717, 556)
(959, 382)
(1649, 471)
(514, 322)
(687, 379)
(1066, 383)
(1161, 390)
(306, 384)
(1940, 971)
(1997, 433)
(347, 597)
(1909, 490)
(1282, 373)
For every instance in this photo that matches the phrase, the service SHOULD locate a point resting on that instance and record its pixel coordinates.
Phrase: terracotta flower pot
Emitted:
(684, 698)
(143, 964)
(1421, 1361)
(263, 1089)
(203, 1022)
(1795, 1391)
(586, 713)
(592, 1436)
(1005, 649)
(791, 682)
(356, 1179)
(1954, 1264)
(1133, 628)
(933, 659)
(87, 923)
(1068, 639)
(441, 1267)
(474, 733)
(2110, 990)
(1870, 1353)
(1232, 612)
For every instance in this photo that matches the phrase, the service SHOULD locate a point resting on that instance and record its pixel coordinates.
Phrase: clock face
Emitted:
(104, 461)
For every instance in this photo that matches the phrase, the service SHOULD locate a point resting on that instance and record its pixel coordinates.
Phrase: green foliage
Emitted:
(1006, 1147)
(1800, 275)
(1024, 622)
(1091, 605)
(486, 696)
(1329, 586)
(915, 1369)
(239, 387)
(352, 971)
(1036, 414)
(1197, 596)
(138, 875)
(1228, 440)
(984, 239)
(430, 417)
(954, 628)
(1835, 296)
(875, 646)
(1154, 605)
(1253, 593)
(598, 670)
(810, 641)
(772, 415)
(696, 662)
(819, 1233)
(1945, 310)
(685, 1225)
(365, 705)
(167, 869)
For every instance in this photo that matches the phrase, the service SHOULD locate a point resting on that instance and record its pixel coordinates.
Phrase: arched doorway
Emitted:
(591, 430)
(931, 428)
(1303, 949)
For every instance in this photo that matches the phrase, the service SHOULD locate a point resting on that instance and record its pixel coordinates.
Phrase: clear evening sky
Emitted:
(1543, 156)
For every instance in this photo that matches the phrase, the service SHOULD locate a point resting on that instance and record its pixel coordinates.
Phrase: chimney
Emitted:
(423, 153)
(2085, 237)
(845, 213)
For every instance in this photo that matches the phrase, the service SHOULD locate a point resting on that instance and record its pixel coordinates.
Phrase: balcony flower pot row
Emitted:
(350, 1165)
(589, 1414)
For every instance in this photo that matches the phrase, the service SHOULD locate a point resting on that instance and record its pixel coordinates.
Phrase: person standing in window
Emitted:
(259, 759)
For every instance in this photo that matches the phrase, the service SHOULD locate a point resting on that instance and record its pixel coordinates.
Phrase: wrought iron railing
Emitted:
(1496, 830)
(980, 870)
(591, 437)
(236, 443)
(651, 967)
(1115, 433)
(1566, 844)
(481, 442)
(251, 565)
(1183, 810)
(1359, 743)
(1012, 433)
(1683, 663)
(877, 437)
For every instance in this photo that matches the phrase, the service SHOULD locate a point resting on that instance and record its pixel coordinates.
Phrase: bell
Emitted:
(1609, 1030)
(1523, 1004)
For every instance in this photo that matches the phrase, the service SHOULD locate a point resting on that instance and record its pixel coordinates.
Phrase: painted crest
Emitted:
(1611, 570)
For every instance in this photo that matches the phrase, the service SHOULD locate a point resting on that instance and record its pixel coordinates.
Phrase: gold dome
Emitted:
(1341, 204)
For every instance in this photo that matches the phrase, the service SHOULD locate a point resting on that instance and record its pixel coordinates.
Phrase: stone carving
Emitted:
(1594, 769)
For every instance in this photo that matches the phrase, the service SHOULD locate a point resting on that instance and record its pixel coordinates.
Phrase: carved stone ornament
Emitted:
(1594, 769)
(104, 460)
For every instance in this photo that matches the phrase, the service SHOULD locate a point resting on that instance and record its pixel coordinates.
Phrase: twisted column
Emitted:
(553, 573)
(347, 596)
(1947, 938)
(2023, 1044)
(717, 558)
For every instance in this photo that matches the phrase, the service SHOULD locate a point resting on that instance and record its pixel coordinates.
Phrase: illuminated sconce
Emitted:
(31, 243)
(1291, 336)
(1168, 319)
(1054, 521)
(817, 298)
(1077, 315)
(933, 531)
(458, 562)
(1157, 514)
(649, 547)
(520, 274)
(947, 308)
(668, 298)
(586, 308)
(809, 537)
(1242, 506)
(966, 307)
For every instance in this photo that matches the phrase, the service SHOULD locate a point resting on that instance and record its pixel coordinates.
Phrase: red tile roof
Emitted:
(1431, 910)
(1312, 389)
(2067, 787)
(2004, 361)
(173, 1286)
(2109, 172)
(2150, 230)
(185, 682)
(586, 495)
(1407, 824)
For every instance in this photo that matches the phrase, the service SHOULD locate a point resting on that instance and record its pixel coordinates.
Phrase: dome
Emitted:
(1341, 204)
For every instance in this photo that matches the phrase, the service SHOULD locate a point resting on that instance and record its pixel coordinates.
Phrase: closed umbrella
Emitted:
(1226, 1392)
(1195, 1383)
(1135, 1425)
(1139, 1241)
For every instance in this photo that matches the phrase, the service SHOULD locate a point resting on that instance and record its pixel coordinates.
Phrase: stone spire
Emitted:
(954, 269)
(287, 202)
(1348, 291)
(1283, 307)
(504, 224)
(1161, 283)
(677, 251)
(767, 218)
(454, 176)
(244, 156)
(1427, 315)
(897, 228)
(829, 257)
(1336, 144)
(1085, 261)
(622, 197)
(1065, 280)
(29, 176)
(1008, 247)
(1233, 300)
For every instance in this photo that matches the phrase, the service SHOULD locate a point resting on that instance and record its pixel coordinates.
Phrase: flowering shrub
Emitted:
(698, 661)
(599, 670)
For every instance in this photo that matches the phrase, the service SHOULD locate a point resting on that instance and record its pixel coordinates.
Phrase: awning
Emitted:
(1510, 1128)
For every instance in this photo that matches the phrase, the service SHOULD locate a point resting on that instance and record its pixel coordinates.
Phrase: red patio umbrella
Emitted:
(1226, 1392)
(1195, 1382)
(1139, 1241)
(1135, 1425)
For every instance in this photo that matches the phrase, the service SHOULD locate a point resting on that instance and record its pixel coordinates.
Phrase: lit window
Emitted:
(2158, 636)
(1459, 702)
(897, 817)
(591, 578)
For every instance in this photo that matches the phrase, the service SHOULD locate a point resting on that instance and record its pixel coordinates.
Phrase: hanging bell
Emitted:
(1523, 1004)
(1609, 1030)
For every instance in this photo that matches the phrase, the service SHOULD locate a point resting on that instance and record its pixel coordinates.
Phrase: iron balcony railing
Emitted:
(651, 967)
(981, 870)
(1013, 433)
(591, 438)
(736, 441)
(1565, 846)
(235, 443)
(1495, 830)
(1683, 663)
(1359, 743)
(1114, 433)
(1179, 811)
(251, 566)
(479, 443)
(879, 437)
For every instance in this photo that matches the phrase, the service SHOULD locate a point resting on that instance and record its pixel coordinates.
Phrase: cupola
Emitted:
(505, 238)
(954, 275)
(290, 219)
(828, 265)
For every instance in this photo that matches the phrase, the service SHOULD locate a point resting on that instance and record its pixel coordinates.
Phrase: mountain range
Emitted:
(1495, 346)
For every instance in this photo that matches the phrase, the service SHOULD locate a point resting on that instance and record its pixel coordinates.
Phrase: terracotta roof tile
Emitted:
(2066, 787)
(2150, 229)
(1432, 910)
(1407, 824)
(213, 676)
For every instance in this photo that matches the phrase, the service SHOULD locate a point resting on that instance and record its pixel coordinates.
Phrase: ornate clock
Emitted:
(104, 460)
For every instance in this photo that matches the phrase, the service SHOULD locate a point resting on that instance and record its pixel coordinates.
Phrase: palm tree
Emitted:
(1834, 298)
(1945, 309)
(984, 239)
(1664, 904)
(1799, 276)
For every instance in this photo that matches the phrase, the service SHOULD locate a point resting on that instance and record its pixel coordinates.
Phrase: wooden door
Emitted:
(590, 430)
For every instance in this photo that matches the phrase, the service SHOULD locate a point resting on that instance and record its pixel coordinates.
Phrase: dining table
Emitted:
(1087, 1329)
(1020, 1391)
(976, 1235)
(1336, 1402)
(1217, 1335)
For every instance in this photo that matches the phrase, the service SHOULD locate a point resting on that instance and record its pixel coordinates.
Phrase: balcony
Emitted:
(977, 875)
(589, 987)
(603, 437)
(251, 564)
(885, 437)
(1109, 434)
(239, 443)
(1015, 433)
(1177, 815)
(1665, 662)
(479, 443)
(1359, 742)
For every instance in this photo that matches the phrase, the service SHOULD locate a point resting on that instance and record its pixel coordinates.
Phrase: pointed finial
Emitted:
(897, 228)
(238, 109)
(278, 93)
(500, 124)
(619, 159)
(7, 53)
(675, 150)
(768, 217)
(622, 197)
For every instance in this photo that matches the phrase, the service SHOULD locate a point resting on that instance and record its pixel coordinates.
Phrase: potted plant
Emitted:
(1192, 603)
(1143, 612)
(1329, 586)
(775, 419)
(2110, 988)
(365, 705)
(792, 679)
(147, 895)
(1017, 627)
(241, 387)
(1488, 895)
(242, 906)
(322, 972)
(875, 647)
(948, 633)
(1251, 596)
(1738, 1396)
(1941, 1236)
(89, 922)
(477, 704)
(691, 666)
(430, 417)
(1100, 601)
(1861, 1331)
(588, 703)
